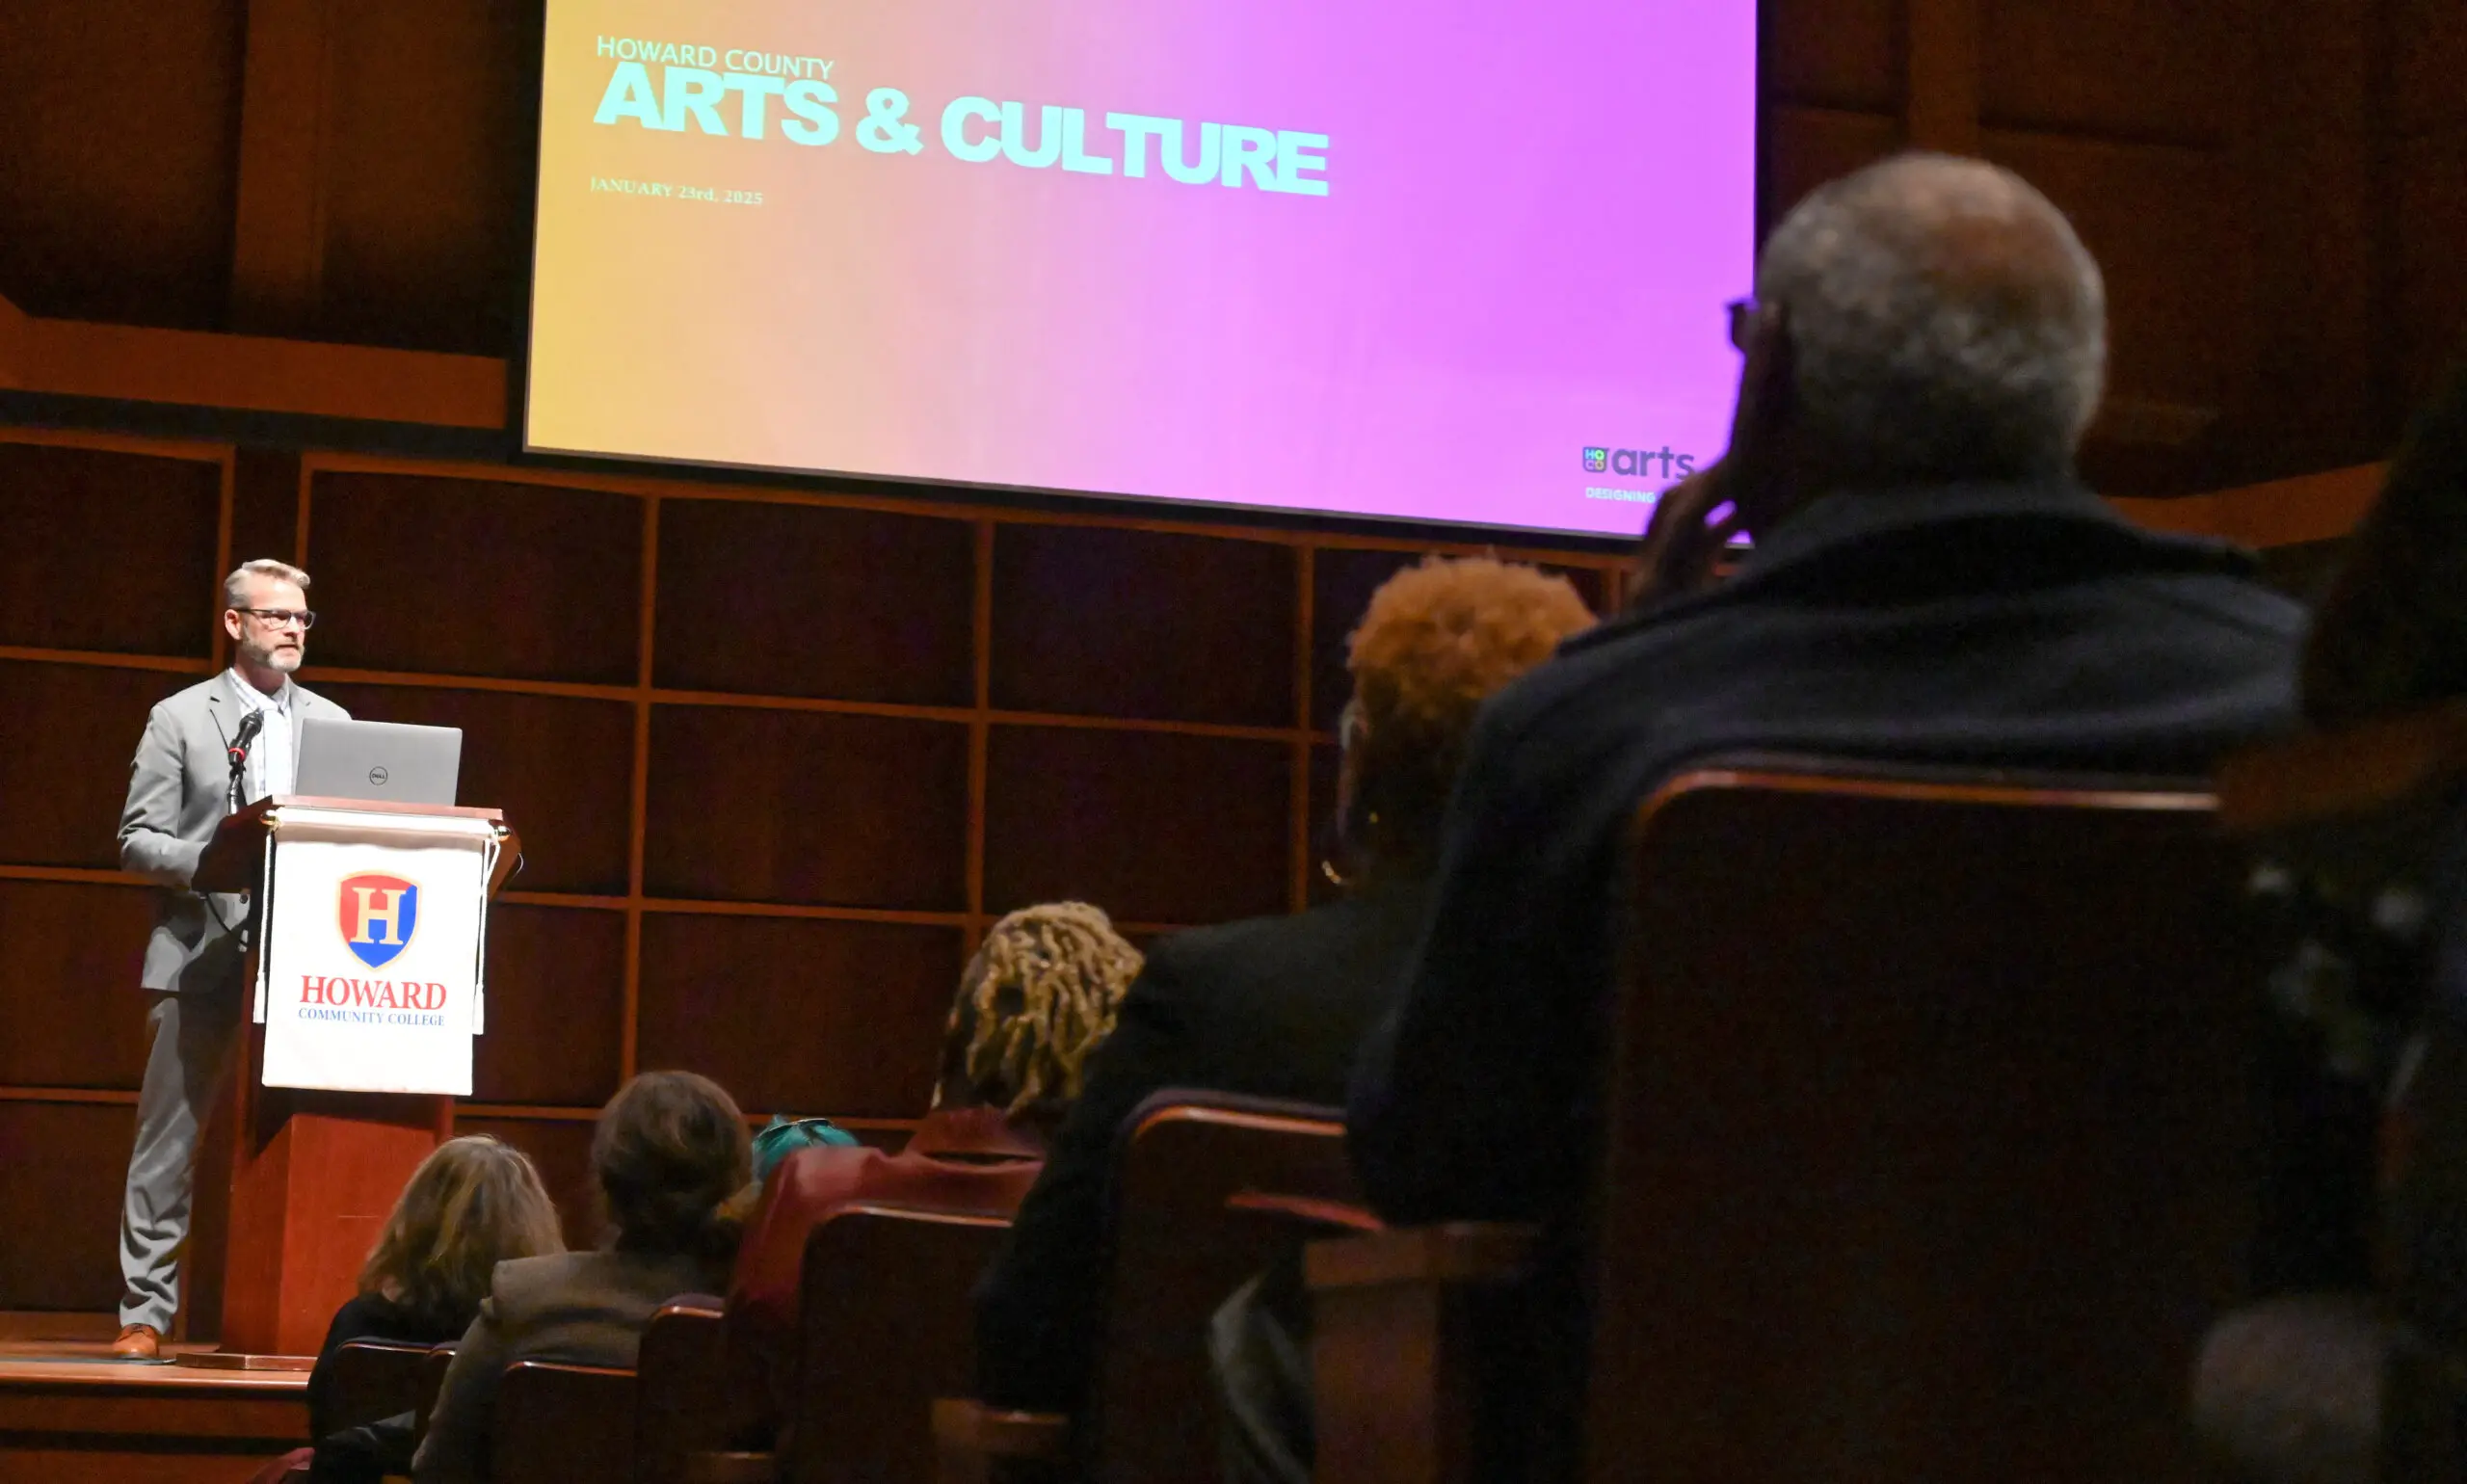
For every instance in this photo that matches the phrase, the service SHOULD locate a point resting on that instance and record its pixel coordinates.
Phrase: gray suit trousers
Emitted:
(192, 1037)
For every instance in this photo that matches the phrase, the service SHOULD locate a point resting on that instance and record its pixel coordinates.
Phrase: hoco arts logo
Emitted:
(1664, 463)
(378, 913)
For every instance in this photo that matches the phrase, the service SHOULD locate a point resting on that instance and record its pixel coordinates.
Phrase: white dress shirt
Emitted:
(272, 760)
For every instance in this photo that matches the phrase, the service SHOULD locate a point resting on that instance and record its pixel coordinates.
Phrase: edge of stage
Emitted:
(68, 1414)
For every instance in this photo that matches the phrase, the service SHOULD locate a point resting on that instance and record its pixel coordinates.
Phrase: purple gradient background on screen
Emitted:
(1534, 216)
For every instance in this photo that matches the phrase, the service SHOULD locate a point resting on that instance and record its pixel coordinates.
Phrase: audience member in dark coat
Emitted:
(1274, 1007)
(2357, 1368)
(1929, 585)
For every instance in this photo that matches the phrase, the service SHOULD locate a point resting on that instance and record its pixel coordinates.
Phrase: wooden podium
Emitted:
(294, 1183)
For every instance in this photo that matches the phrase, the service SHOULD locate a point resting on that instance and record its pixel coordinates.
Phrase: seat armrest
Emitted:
(1455, 1252)
(1395, 1324)
(1307, 1215)
(974, 1443)
(716, 1467)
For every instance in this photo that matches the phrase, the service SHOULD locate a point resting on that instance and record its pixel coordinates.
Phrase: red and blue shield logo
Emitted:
(378, 913)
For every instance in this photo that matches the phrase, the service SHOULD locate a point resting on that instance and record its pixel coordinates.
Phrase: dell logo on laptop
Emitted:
(377, 777)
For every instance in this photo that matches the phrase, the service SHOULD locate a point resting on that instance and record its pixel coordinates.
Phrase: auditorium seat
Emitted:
(558, 1424)
(1185, 1233)
(680, 1393)
(886, 1327)
(1927, 1153)
(431, 1381)
(373, 1379)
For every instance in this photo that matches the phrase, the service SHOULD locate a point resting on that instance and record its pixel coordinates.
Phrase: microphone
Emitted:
(249, 725)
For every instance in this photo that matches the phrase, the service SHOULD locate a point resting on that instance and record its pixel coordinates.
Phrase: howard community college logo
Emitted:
(378, 913)
(1595, 460)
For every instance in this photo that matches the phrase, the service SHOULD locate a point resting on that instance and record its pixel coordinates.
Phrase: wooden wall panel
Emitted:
(119, 157)
(2182, 339)
(2430, 313)
(556, 1007)
(799, 1013)
(1844, 54)
(561, 1147)
(66, 774)
(61, 1171)
(61, 505)
(1153, 828)
(70, 1012)
(765, 805)
(1325, 763)
(1145, 624)
(560, 767)
(2117, 69)
(426, 166)
(2317, 393)
(2426, 42)
(779, 600)
(467, 576)
(1811, 146)
(265, 503)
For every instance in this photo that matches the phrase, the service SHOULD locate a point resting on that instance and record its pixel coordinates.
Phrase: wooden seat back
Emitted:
(372, 1379)
(680, 1393)
(559, 1425)
(885, 1327)
(1178, 1252)
(1929, 1148)
(431, 1381)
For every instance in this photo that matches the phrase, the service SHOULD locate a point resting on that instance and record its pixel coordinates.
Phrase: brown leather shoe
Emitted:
(138, 1343)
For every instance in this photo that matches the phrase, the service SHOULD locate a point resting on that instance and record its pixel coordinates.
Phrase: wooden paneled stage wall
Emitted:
(778, 758)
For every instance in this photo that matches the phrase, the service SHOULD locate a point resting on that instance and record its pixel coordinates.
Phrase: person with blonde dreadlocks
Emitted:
(1036, 998)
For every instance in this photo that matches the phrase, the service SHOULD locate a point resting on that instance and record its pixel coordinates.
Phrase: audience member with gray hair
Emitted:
(1930, 584)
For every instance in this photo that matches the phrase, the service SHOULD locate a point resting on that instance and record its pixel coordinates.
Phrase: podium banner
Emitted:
(372, 935)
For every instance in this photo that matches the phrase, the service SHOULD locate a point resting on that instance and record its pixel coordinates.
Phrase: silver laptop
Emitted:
(378, 760)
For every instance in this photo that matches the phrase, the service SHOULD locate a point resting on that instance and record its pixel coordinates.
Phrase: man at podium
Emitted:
(210, 750)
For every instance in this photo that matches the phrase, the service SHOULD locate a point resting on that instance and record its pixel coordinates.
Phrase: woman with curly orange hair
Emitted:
(1274, 1007)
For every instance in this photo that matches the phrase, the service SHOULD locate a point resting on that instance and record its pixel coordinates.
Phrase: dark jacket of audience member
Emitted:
(473, 1203)
(670, 1151)
(2390, 637)
(1276, 1006)
(1038, 995)
(2354, 1369)
(2391, 634)
(1929, 585)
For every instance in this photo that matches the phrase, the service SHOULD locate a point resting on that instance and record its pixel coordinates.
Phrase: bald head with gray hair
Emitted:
(1944, 323)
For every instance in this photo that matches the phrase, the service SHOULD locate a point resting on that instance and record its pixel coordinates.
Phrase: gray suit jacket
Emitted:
(179, 787)
(574, 1308)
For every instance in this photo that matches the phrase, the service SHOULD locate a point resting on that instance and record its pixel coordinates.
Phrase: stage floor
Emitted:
(69, 1413)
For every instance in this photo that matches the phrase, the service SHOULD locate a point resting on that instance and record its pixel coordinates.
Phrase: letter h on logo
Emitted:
(378, 915)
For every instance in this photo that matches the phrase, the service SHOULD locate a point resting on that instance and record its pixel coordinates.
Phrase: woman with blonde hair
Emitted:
(472, 1203)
